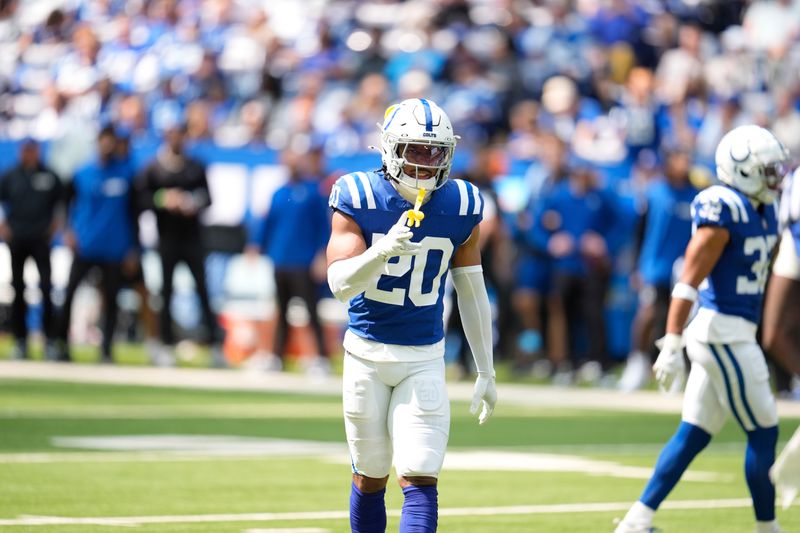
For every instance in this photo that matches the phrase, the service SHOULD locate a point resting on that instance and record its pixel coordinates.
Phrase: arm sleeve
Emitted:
(347, 278)
(476, 315)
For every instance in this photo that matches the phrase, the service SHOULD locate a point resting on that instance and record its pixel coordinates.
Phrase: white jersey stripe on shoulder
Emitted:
(355, 196)
(367, 189)
(477, 195)
(462, 189)
(742, 208)
(724, 195)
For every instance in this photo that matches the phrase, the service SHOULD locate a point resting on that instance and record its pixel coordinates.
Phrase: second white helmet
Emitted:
(417, 145)
(751, 159)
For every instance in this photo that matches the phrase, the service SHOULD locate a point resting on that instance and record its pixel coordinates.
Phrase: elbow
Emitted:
(338, 286)
(340, 293)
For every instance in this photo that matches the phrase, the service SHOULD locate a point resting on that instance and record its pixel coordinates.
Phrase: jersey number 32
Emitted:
(397, 295)
(760, 268)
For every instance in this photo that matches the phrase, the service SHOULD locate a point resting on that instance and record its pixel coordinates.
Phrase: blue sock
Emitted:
(757, 462)
(367, 511)
(420, 509)
(675, 458)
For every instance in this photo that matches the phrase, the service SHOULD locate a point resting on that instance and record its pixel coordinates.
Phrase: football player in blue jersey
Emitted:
(395, 402)
(780, 331)
(725, 269)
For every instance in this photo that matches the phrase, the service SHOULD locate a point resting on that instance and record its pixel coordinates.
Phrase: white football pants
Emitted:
(728, 378)
(395, 406)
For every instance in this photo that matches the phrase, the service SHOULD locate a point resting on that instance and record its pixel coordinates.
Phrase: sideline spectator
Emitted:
(665, 227)
(576, 217)
(102, 234)
(30, 194)
(535, 293)
(174, 186)
(134, 277)
(293, 235)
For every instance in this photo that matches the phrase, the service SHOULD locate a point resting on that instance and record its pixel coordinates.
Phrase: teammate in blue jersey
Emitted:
(781, 325)
(734, 234)
(395, 402)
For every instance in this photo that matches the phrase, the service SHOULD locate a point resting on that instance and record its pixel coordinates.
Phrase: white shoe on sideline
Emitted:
(589, 372)
(637, 373)
(218, 357)
(164, 357)
(264, 362)
(318, 367)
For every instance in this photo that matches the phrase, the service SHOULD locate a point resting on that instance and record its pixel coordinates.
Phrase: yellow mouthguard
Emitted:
(415, 216)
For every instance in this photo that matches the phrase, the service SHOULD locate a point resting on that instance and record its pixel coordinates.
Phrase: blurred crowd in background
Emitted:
(589, 125)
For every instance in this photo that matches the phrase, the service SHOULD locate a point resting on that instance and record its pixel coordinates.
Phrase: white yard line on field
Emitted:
(288, 530)
(559, 508)
(197, 378)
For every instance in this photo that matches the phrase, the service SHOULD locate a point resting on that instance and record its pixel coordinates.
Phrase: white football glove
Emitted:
(484, 392)
(669, 368)
(397, 241)
(786, 471)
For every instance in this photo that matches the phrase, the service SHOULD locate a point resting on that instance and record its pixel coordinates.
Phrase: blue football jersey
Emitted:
(404, 305)
(736, 284)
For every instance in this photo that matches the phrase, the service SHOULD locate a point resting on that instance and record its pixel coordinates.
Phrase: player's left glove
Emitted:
(484, 392)
(669, 368)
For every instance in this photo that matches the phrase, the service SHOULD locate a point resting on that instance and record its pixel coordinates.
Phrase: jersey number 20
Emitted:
(761, 246)
(397, 295)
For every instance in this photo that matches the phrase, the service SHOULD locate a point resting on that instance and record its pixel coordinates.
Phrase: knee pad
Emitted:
(420, 426)
(374, 462)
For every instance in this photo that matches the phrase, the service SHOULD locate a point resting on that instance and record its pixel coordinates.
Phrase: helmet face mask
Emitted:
(426, 161)
(417, 146)
(752, 160)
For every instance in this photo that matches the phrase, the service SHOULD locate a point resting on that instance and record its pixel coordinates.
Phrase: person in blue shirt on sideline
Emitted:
(534, 292)
(664, 230)
(102, 233)
(574, 220)
(293, 235)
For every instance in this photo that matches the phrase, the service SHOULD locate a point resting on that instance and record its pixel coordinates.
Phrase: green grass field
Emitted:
(170, 491)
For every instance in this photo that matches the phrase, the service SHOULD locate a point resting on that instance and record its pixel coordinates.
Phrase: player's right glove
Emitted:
(397, 241)
(669, 368)
(484, 392)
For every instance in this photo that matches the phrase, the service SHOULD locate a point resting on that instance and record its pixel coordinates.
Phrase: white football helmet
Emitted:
(417, 144)
(752, 160)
